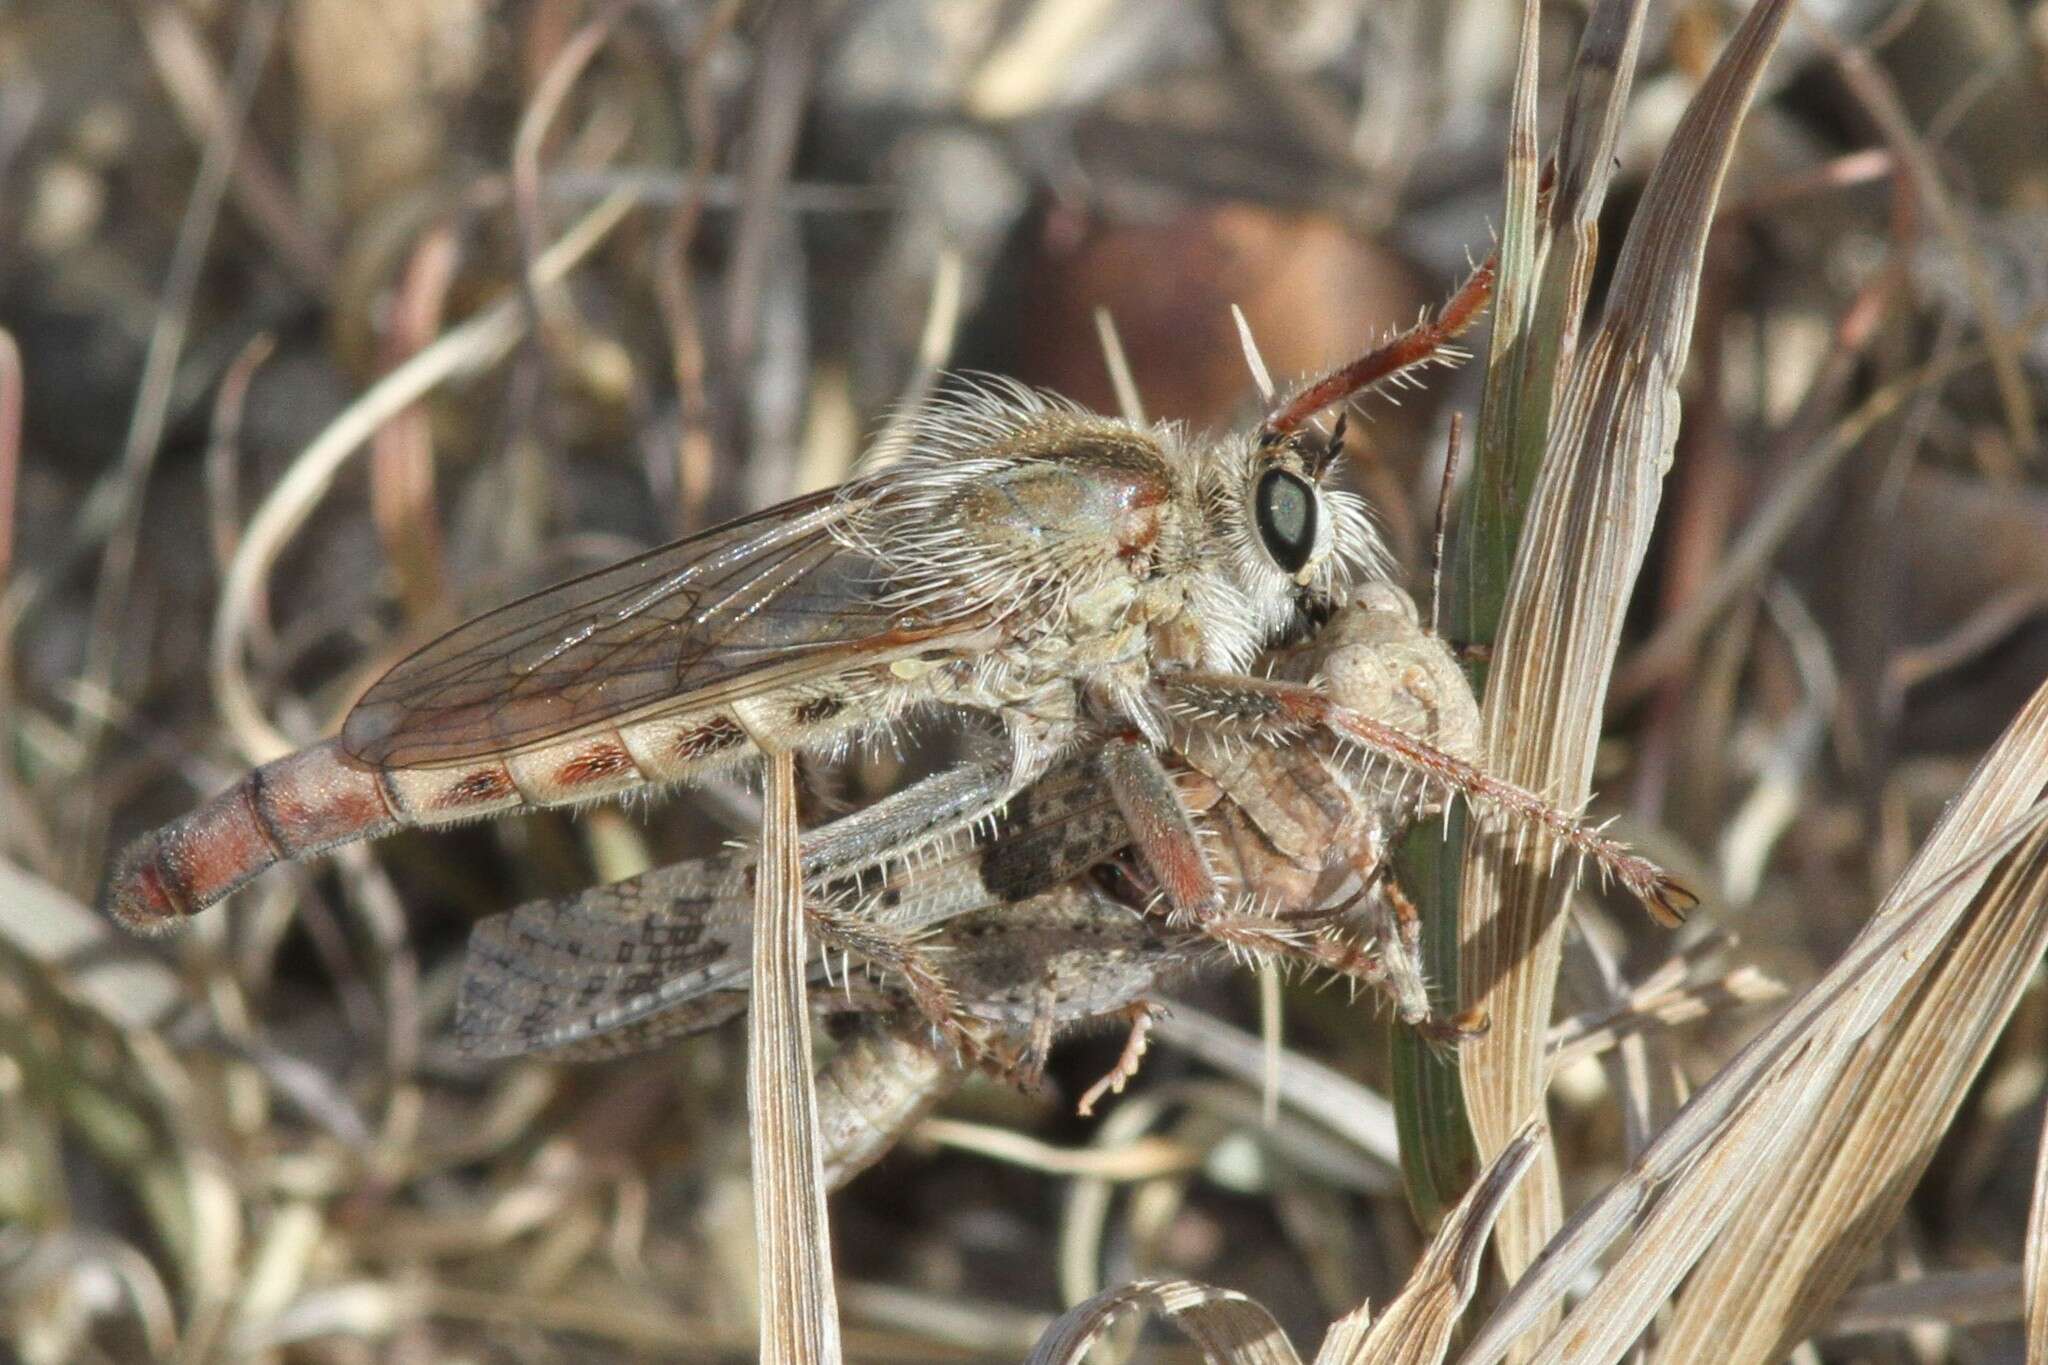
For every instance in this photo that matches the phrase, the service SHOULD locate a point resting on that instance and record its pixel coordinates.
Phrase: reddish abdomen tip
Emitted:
(138, 895)
(300, 805)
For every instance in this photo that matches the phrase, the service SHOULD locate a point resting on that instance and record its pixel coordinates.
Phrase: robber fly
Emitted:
(1071, 575)
(1045, 915)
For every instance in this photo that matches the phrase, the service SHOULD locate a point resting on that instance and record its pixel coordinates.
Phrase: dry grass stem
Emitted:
(798, 1303)
(1416, 1328)
(1148, 1158)
(1361, 1117)
(1223, 1323)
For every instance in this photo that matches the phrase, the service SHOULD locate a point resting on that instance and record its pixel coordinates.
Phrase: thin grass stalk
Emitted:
(1590, 516)
(799, 1308)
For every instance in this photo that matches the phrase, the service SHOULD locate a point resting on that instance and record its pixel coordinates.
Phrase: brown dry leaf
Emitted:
(799, 1309)
(1591, 513)
(1224, 1323)
(1718, 1149)
(1416, 1328)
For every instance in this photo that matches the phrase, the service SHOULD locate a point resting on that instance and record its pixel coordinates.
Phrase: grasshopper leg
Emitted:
(1141, 1014)
(1162, 830)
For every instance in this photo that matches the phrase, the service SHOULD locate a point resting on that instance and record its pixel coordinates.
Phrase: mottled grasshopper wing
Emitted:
(565, 974)
(621, 967)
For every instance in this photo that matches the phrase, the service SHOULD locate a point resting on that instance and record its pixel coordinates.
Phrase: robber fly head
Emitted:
(1294, 541)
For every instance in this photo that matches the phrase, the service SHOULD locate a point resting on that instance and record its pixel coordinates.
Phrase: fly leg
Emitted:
(916, 817)
(959, 798)
(1168, 842)
(1270, 711)
(1406, 981)
(1374, 962)
(896, 827)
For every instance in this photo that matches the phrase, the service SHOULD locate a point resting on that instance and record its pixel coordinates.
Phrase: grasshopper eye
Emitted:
(1284, 509)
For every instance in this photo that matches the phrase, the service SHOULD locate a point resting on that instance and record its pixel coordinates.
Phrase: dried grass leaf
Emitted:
(1841, 1185)
(1224, 1323)
(1546, 273)
(1707, 1162)
(1590, 517)
(1416, 1328)
(799, 1310)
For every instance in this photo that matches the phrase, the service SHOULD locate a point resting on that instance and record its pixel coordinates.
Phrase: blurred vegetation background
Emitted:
(223, 221)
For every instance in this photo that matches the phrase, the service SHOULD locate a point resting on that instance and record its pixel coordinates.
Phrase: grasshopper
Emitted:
(1078, 578)
(1046, 916)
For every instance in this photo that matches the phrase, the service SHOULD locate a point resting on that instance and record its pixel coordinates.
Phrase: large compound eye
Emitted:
(1285, 509)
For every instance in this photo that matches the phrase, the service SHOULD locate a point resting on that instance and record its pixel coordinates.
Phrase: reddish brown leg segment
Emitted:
(1161, 829)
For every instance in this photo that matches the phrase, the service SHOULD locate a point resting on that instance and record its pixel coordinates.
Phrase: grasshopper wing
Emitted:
(560, 974)
(621, 967)
(765, 602)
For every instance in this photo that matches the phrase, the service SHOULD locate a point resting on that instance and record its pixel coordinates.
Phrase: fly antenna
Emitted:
(1426, 341)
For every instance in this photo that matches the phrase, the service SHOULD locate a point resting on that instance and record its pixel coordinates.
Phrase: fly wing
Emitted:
(759, 603)
(622, 967)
